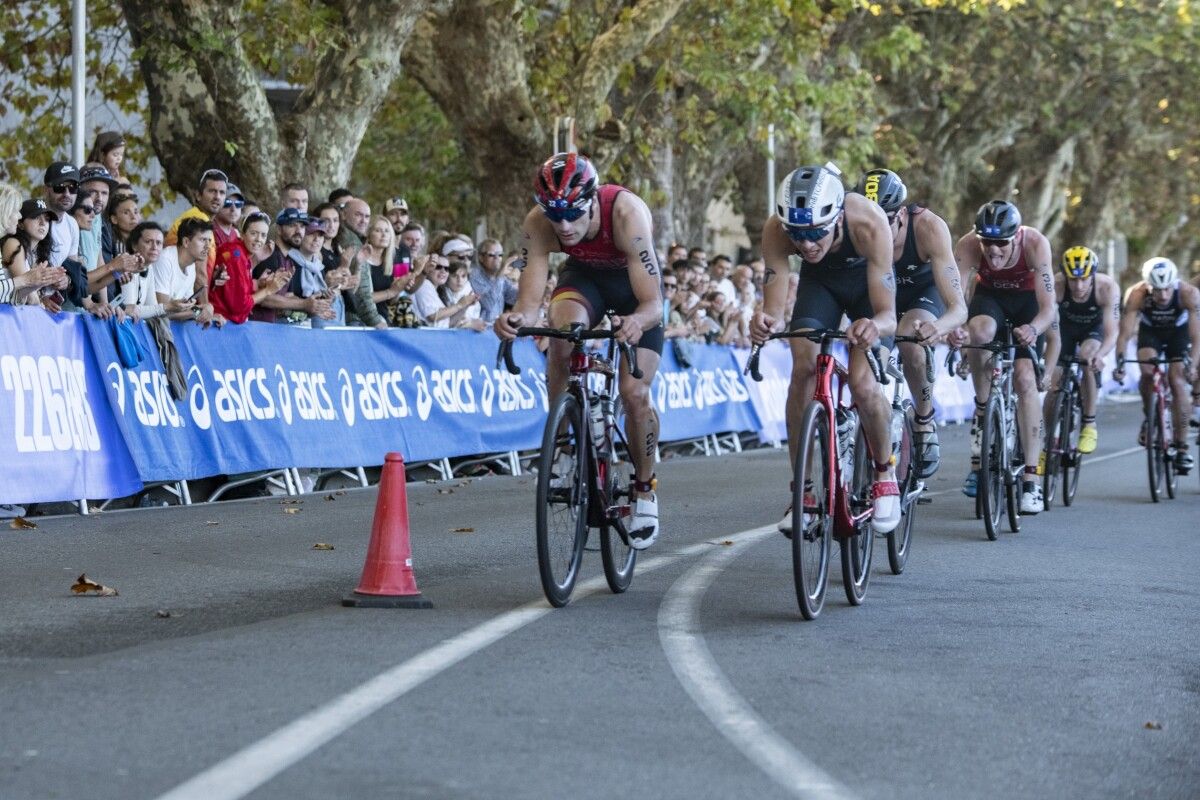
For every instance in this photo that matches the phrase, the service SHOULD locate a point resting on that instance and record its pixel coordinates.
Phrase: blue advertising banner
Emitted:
(709, 397)
(263, 396)
(57, 432)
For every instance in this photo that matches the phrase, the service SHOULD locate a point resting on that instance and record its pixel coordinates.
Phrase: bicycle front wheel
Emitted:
(1072, 459)
(562, 499)
(1054, 447)
(1154, 453)
(812, 490)
(899, 540)
(1014, 477)
(992, 466)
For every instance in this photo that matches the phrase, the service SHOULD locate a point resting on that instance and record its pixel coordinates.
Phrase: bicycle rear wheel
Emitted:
(811, 510)
(1072, 458)
(562, 499)
(616, 554)
(899, 540)
(990, 488)
(1154, 460)
(857, 550)
(1054, 447)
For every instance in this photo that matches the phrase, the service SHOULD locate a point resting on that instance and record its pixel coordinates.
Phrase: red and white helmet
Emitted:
(565, 181)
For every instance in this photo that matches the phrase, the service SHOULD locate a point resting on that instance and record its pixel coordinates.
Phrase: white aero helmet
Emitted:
(810, 196)
(1160, 273)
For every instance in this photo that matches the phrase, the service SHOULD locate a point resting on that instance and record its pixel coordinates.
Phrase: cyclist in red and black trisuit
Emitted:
(1015, 284)
(607, 233)
(1165, 312)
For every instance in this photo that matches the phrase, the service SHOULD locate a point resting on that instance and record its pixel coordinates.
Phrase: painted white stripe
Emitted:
(683, 642)
(254, 765)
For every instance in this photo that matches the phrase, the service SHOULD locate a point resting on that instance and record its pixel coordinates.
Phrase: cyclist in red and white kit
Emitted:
(607, 233)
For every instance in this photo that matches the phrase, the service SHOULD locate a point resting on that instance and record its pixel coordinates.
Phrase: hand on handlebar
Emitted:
(958, 337)
(507, 324)
(863, 333)
(927, 332)
(1025, 335)
(762, 326)
(626, 330)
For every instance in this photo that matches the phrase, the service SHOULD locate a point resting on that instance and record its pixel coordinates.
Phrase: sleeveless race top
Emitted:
(1172, 315)
(909, 268)
(1017, 278)
(844, 258)
(601, 251)
(1083, 314)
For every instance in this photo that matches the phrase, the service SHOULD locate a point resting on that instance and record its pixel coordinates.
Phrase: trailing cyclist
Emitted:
(845, 248)
(1089, 309)
(1005, 268)
(607, 233)
(1165, 312)
(929, 297)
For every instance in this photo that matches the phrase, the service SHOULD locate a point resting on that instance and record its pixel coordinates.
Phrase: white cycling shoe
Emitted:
(643, 525)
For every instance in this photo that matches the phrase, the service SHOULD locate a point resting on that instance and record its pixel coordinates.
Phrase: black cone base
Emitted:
(356, 600)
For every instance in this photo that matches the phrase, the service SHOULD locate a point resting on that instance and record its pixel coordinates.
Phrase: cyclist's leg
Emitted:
(641, 418)
(1177, 347)
(576, 299)
(913, 358)
(1088, 391)
(1149, 343)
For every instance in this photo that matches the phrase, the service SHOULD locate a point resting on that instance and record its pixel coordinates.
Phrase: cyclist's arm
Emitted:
(776, 249)
(633, 233)
(1054, 333)
(1190, 296)
(1037, 253)
(966, 256)
(1129, 319)
(537, 242)
(1109, 296)
(872, 238)
(933, 239)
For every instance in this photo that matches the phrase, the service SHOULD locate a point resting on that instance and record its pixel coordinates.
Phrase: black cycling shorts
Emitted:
(1075, 335)
(923, 295)
(823, 295)
(1171, 342)
(601, 291)
(1016, 307)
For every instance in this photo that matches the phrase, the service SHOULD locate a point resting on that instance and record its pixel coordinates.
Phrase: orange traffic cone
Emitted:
(387, 578)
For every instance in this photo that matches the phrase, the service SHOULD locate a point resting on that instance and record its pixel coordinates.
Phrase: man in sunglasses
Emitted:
(845, 248)
(225, 221)
(607, 233)
(929, 297)
(62, 189)
(1005, 269)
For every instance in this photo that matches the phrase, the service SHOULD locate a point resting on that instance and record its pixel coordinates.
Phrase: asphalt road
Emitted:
(1027, 667)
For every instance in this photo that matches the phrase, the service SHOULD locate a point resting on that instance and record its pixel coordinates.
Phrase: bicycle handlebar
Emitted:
(818, 336)
(997, 348)
(575, 334)
(928, 354)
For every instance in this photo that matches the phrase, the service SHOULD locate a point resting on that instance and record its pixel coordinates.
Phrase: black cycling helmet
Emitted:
(998, 219)
(885, 188)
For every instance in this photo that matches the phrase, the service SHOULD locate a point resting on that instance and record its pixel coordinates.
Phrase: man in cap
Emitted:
(62, 187)
(396, 211)
(225, 223)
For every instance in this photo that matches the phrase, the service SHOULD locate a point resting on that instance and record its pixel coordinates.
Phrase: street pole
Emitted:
(78, 72)
(771, 169)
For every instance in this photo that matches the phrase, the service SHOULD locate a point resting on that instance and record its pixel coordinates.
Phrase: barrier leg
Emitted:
(83, 508)
(514, 463)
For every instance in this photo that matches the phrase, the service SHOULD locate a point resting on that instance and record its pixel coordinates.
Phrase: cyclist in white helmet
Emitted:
(845, 246)
(1165, 313)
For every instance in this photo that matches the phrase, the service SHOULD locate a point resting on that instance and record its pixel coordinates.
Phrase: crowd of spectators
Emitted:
(81, 244)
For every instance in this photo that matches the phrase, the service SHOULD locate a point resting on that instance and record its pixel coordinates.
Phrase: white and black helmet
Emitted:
(1160, 273)
(810, 196)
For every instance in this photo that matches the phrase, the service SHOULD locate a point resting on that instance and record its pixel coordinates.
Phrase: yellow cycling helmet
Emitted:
(1079, 262)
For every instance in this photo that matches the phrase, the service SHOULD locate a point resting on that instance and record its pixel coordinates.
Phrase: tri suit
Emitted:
(915, 287)
(1008, 295)
(1079, 321)
(1164, 328)
(596, 274)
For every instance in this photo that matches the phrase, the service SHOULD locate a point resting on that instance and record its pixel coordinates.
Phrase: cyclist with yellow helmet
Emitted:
(1089, 310)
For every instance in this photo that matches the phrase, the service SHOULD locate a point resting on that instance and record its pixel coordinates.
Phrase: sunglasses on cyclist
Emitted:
(803, 234)
(988, 242)
(234, 203)
(562, 211)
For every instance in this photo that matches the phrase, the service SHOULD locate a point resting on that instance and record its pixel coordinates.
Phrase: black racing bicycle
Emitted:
(577, 483)
(1062, 433)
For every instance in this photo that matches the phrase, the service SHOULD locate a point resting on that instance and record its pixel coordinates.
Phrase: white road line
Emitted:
(1087, 460)
(683, 642)
(254, 765)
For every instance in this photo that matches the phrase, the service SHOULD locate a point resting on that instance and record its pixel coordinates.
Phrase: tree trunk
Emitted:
(208, 107)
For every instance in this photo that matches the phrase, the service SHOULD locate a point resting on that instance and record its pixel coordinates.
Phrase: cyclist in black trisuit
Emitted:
(607, 233)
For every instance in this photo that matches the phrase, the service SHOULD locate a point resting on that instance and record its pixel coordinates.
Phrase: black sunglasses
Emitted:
(88, 209)
(66, 188)
(986, 242)
(670, 285)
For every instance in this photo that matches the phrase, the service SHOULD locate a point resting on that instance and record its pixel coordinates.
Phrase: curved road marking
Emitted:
(694, 666)
(252, 766)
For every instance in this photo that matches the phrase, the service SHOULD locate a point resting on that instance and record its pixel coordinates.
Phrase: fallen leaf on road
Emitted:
(322, 546)
(463, 530)
(330, 497)
(445, 491)
(162, 613)
(463, 483)
(723, 542)
(84, 585)
(291, 511)
(431, 480)
(22, 524)
(1153, 726)
(211, 522)
(339, 492)
(291, 501)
